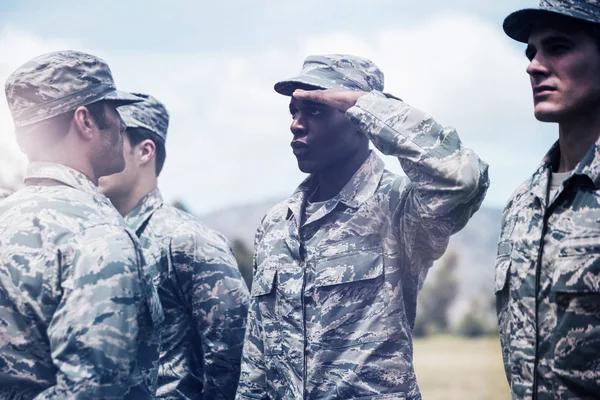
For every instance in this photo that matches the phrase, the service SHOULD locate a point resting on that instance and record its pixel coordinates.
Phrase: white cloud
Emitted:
(229, 134)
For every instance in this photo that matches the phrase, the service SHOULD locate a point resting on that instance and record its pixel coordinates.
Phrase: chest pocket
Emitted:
(264, 292)
(576, 291)
(350, 293)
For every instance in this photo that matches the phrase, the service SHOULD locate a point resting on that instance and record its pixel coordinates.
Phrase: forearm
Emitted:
(446, 178)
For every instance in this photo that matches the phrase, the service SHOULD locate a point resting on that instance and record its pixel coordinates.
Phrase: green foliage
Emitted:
(181, 205)
(472, 325)
(479, 320)
(244, 257)
(436, 298)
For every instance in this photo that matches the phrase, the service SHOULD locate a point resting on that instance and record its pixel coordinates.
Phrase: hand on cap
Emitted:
(340, 99)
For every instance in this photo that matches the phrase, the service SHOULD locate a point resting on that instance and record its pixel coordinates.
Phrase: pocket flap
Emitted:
(349, 268)
(353, 244)
(501, 273)
(264, 281)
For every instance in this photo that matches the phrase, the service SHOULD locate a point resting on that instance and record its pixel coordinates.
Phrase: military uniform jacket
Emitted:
(73, 296)
(204, 297)
(549, 307)
(334, 298)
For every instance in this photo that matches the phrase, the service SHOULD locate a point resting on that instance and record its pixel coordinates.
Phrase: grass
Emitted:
(451, 368)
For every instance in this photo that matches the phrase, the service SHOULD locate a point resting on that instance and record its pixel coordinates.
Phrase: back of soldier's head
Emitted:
(44, 93)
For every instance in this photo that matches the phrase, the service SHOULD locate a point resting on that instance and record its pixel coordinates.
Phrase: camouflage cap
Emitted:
(334, 71)
(58, 82)
(518, 24)
(149, 114)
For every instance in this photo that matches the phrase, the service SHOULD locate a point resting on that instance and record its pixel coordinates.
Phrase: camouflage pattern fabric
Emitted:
(518, 24)
(74, 299)
(335, 71)
(59, 82)
(204, 298)
(150, 114)
(548, 305)
(333, 300)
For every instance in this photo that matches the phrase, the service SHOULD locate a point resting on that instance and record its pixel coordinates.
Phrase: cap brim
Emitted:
(518, 24)
(309, 82)
(119, 98)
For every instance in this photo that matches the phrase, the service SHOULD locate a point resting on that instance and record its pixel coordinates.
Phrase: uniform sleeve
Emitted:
(446, 182)
(219, 300)
(253, 379)
(94, 332)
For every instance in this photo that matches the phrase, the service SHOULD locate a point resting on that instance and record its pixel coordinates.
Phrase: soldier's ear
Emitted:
(147, 151)
(84, 123)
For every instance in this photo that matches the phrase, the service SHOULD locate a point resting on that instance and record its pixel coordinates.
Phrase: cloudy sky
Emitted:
(214, 65)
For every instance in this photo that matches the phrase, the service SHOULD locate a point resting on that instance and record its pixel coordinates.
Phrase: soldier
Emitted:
(72, 304)
(339, 264)
(204, 296)
(548, 263)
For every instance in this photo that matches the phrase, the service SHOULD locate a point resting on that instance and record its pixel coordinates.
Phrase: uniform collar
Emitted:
(359, 188)
(43, 171)
(589, 166)
(144, 209)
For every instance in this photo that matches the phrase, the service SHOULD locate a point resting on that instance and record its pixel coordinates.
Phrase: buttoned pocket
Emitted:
(502, 292)
(264, 290)
(576, 334)
(351, 293)
(502, 266)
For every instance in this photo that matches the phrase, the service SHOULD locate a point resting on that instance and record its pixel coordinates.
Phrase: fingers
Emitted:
(340, 99)
(318, 96)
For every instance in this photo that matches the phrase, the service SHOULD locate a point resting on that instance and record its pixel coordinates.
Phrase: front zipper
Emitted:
(549, 210)
(303, 265)
(537, 289)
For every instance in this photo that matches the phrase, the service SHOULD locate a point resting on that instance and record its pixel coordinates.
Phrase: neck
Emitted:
(127, 202)
(78, 165)
(332, 179)
(575, 137)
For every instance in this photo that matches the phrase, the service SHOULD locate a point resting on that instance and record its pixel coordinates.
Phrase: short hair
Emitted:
(44, 133)
(138, 135)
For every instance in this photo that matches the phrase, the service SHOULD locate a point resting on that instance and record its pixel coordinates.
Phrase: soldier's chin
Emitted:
(307, 166)
(544, 113)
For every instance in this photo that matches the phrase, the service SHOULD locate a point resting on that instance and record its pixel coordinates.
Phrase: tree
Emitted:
(245, 259)
(437, 298)
(179, 204)
(480, 320)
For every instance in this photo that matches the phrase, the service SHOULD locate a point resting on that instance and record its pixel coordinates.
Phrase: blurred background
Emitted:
(228, 157)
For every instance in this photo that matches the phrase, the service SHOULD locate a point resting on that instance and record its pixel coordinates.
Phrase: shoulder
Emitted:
(277, 213)
(61, 212)
(185, 229)
(518, 199)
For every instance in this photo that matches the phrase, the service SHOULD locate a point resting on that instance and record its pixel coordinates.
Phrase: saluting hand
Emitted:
(340, 99)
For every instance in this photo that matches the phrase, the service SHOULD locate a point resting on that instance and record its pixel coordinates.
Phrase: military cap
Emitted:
(334, 71)
(149, 114)
(518, 24)
(58, 82)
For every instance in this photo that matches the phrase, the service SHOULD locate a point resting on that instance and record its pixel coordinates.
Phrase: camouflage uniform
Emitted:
(204, 296)
(74, 299)
(334, 298)
(548, 266)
